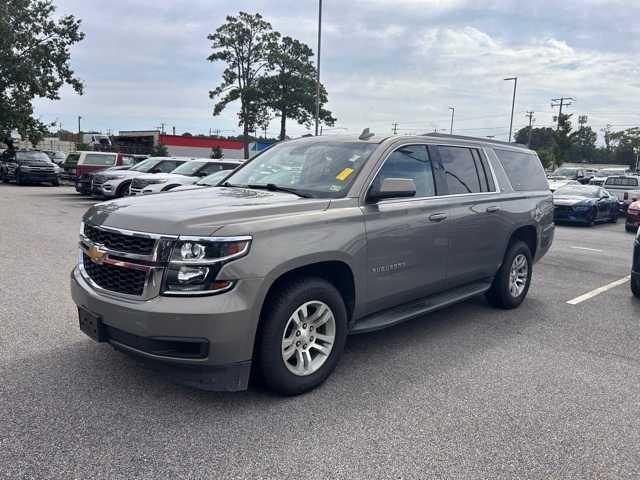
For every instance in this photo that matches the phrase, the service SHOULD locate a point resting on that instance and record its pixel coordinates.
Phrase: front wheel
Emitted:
(19, 179)
(303, 333)
(56, 183)
(635, 286)
(123, 190)
(511, 283)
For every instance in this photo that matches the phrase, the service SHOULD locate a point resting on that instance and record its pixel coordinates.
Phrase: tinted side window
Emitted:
(524, 170)
(210, 168)
(622, 181)
(411, 161)
(167, 166)
(460, 170)
(102, 160)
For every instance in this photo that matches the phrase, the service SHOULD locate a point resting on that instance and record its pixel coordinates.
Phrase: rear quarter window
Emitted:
(72, 159)
(102, 160)
(524, 170)
(622, 182)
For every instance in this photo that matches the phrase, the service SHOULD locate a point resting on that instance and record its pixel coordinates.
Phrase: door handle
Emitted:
(437, 217)
(493, 209)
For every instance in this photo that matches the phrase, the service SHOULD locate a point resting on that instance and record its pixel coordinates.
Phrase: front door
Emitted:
(406, 237)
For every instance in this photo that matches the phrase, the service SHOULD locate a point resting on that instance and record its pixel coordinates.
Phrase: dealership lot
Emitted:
(548, 390)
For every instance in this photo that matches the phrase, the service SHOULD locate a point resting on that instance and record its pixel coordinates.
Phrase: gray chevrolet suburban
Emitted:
(312, 240)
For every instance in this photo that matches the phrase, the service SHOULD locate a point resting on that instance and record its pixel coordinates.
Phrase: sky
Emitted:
(143, 63)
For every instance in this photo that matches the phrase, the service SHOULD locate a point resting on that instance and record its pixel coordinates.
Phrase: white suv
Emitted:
(186, 174)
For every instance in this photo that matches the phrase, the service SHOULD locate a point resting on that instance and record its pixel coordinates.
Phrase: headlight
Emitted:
(194, 264)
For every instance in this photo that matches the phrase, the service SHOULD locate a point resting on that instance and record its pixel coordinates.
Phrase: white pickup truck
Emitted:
(625, 187)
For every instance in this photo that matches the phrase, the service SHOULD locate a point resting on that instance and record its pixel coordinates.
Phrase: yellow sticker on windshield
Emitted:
(344, 174)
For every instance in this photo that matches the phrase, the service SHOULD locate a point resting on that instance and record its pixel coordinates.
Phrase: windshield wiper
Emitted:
(272, 187)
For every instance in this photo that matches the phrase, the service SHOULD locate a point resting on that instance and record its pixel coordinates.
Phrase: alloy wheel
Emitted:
(518, 275)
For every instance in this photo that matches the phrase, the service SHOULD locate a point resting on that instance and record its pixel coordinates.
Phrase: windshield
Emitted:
(189, 168)
(565, 172)
(323, 169)
(33, 157)
(213, 179)
(578, 191)
(145, 165)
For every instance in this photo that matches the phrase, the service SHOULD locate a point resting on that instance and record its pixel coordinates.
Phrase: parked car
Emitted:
(79, 163)
(186, 174)
(625, 187)
(586, 204)
(84, 184)
(28, 166)
(56, 157)
(372, 232)
(212, 180)
(635, 268)
(602, 175)
(556, 184)
(116, 184)
(633, 217)
(579, 174)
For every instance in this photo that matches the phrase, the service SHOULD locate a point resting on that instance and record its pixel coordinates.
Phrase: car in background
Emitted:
(586, 204)
(79, 163)
(633, 217)
(579, 174)
(186, 174)
(84, 181)
(28, 166)
(625, 187)
(56, 157)
(212, 180)
(602, 175)
(116, 184)
(556, 184)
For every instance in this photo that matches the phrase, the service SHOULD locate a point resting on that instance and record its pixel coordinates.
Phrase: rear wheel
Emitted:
(511, 283)
(635, 285)
(303, 333)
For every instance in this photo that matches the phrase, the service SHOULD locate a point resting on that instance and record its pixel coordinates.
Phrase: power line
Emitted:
(563, 103)
(395, 128)
(530, 116)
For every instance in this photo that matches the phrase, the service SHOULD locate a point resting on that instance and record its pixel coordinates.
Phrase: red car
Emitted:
(633, 217)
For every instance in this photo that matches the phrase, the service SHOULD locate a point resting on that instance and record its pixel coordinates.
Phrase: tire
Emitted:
(122, 189)
(19, 180)
(3, 179)
(635, 286)
(55, 183)
(614, 218)
(277, 323)
(629, 229)
(499, 295)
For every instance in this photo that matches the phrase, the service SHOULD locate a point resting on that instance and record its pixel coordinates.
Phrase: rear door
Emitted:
(476, 231)
(406, 237)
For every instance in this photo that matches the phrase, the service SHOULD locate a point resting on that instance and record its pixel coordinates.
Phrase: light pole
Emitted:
(79, 130)
(453, 111)
(513, 103)
(318, 67)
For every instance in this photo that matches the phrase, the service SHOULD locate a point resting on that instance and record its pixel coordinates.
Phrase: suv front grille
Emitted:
(99, 179)
(116, 279)
(119, 242)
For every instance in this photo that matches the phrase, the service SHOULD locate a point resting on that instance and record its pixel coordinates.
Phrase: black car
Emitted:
(585, 204)
(28, 166)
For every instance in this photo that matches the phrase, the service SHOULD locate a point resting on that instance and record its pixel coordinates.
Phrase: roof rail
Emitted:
(481, 139)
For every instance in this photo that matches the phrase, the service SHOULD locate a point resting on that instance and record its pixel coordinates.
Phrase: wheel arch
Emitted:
(527, 234)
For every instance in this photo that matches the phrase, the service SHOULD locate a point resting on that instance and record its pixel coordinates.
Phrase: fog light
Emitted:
(188, 275)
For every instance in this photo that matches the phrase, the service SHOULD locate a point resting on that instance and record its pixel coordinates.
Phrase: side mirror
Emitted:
(393, 188)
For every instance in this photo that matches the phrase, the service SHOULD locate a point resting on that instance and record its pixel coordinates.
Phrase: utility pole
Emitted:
(561, 102)
(174, 130)
(79, 129)
(395, 128)
(318, 66)
(453, 111)
(513, 103)
(530, 116)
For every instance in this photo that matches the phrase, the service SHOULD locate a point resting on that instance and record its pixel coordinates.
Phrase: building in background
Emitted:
(201, 147)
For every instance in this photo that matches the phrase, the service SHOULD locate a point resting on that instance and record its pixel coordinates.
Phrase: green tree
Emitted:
(625, 144)
(291, 90)
(563, 140)
(583, 144)
(34, 62)
(540, 137)
(242, 43)
(159, 150)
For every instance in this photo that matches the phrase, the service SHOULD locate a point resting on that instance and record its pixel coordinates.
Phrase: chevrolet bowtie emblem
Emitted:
(96, 254)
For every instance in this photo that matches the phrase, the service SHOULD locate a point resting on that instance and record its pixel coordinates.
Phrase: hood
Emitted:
(122, 173)
(189, 187)
(571, 200)
(198, 211)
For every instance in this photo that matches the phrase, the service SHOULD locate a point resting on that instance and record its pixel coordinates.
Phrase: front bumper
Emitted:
(226, 322)
(39, 176)
(570, 215)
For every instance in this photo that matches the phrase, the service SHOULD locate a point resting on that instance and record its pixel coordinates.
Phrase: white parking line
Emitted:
(587, 249)
(598, 291)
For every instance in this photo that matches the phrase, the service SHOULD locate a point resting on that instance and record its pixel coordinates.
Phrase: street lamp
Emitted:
(453, 111)
(79, 130)
(318, 67)
(513, 103)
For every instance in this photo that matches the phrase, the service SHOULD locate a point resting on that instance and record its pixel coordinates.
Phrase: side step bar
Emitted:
(417, 308)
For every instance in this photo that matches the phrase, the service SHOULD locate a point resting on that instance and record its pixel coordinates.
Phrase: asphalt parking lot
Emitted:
(547, 391)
